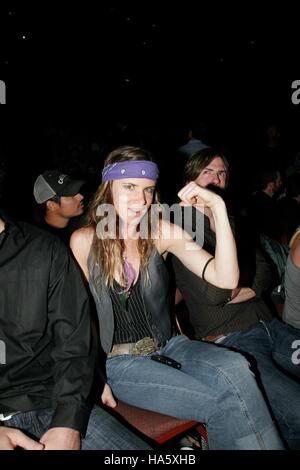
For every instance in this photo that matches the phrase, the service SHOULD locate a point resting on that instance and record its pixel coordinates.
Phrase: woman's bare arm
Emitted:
(223, 270)
(80, 243)
(295, 251)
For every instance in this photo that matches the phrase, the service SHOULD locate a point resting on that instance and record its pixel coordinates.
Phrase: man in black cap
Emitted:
(60, 198)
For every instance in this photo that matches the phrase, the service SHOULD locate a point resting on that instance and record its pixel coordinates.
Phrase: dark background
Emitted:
(152, 54)
(82, 71)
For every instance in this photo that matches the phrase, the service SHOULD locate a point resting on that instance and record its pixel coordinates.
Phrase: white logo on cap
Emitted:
(61, 179)
(123, 171)
(143, 172)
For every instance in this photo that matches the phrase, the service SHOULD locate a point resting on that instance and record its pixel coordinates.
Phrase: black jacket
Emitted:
(47, 356)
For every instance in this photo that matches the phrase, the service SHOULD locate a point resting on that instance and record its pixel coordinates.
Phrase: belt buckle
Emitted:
(144, 346)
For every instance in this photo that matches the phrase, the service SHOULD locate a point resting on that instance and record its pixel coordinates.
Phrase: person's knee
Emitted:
(235, 363)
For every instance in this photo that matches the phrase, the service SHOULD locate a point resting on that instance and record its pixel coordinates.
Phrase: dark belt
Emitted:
(143, 347)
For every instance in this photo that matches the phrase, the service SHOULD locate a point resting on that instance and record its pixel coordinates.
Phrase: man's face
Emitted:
(214, 173)
(71, 206)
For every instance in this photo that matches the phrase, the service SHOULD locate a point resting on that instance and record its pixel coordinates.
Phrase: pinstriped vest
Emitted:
(155, 295)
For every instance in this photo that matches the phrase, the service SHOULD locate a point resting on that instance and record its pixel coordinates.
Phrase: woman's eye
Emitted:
(128, 186)
(150, 190)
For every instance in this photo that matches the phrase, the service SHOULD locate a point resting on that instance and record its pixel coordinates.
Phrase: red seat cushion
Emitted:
(154, 425)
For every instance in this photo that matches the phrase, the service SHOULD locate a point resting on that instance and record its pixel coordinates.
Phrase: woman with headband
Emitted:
(121, 253)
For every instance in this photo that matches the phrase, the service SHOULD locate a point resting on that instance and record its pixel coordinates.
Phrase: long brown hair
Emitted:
(107, 252)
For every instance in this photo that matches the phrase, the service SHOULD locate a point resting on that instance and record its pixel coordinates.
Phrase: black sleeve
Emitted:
(265, 274)
(192, 286)
(73, 351)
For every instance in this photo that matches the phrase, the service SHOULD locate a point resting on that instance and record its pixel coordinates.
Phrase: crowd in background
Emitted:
(80, 152)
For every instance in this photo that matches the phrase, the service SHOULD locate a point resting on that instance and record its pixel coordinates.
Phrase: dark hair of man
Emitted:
(293, 185)
(266, 176)
(200, 160)
(54, 199)
(2, 180)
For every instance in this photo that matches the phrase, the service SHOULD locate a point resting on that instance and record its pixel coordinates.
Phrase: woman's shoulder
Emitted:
(80, 243)
(295, 247)
(82, 238)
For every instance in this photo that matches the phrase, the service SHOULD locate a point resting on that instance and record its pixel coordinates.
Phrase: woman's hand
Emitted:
(195, 195)
(61, 439)
(107, 397)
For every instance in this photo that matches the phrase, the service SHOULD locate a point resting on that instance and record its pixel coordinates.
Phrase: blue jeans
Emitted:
(213, 386)
(270, 343)
(104, 432)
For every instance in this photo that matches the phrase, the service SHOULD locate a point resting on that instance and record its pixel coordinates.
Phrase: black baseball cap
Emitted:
(55, 183)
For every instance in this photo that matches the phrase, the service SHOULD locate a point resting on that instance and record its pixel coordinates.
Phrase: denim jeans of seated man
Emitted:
(104, 432)
(213, 386)
(272, 345)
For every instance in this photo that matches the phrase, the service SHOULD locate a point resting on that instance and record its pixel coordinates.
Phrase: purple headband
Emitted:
(130, 169)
